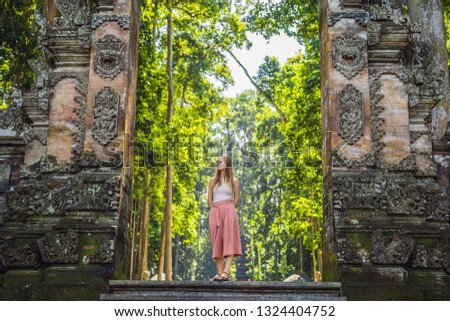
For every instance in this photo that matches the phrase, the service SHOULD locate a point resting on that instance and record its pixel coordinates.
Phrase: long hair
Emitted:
(227, 174)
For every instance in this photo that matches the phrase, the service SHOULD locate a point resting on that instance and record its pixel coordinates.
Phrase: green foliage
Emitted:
(296, 18)
(18, 44)
(446, 4)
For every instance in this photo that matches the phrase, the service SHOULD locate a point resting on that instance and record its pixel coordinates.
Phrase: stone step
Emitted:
(222, 291)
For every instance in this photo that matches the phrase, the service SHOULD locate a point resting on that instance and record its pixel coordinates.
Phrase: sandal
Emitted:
(216, 278)
(225, 278)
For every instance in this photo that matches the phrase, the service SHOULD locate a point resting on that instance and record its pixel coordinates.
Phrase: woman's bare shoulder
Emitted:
(236, 180)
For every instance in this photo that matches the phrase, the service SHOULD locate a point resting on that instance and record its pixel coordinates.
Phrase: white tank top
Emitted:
(222, 192)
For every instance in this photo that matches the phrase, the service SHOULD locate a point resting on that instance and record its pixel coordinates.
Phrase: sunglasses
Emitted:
(219, 162)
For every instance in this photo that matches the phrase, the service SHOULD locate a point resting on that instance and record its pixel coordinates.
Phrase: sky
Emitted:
(281, 46)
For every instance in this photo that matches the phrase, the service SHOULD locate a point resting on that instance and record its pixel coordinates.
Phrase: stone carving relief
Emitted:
(106, 108)
(59, 247)
(348, 253)
(12, 255)
(122, 20)
(15, 118)
(390, 10)
(40, 69)
(400, 71)
(47, 164)
(361, 17)
(53, 199)
(446, 262)
(438, 204)
(405, 165)
(349, 54)
(350, 114)
(372, 158)
(72, 14)
(368, 160)
(429, 256)
(89, 159)
(43, 25)
(110, 198)
(105, 254)
(109, 56)
(391, 249)
(395, 195)
(420, 57)
(84, 36)
(373, 32)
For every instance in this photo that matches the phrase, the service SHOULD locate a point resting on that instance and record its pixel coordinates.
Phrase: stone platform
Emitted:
(222, 291)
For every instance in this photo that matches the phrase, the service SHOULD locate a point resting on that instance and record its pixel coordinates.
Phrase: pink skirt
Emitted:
(224, 230)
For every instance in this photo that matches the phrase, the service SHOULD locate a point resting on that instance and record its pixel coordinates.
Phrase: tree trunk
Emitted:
(228, 138)
(133, 239)
(319, 251)
(168, 224)
(300, 254)
(258, 262)
(136, 238)
(177, 256)
(143, 242)
(154, 27)
(313, 251)
(168, 206)
(319, 262)
(163, 249)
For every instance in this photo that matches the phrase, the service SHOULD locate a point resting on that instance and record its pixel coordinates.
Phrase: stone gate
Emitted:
(385, 107)
(66, 161)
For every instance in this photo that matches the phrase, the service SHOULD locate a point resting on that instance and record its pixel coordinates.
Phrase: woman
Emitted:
(223, 195)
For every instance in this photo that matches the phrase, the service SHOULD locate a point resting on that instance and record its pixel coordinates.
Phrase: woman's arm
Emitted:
(210, 193)
(237, 191)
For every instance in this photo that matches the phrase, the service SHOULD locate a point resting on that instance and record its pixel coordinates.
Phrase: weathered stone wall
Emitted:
(386, 148)
(65, 165)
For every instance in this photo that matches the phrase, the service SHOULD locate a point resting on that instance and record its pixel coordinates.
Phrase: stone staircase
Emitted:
(222, 291)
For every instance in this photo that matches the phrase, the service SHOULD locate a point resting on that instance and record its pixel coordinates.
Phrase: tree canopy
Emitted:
(18, 41)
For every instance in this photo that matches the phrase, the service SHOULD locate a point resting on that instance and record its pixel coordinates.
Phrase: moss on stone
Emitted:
(89, 244)
(9, 294)
(429, 278)
(382, 293)
(67, 293)
(329, 268)
(120, 276)
(22, 278)
(429, 242)
(362, 240)
(75, 275)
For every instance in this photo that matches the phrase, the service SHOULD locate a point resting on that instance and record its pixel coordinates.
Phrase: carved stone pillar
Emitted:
(386, 220)
(433, 75)
(65, 165)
